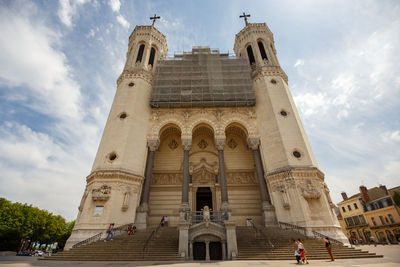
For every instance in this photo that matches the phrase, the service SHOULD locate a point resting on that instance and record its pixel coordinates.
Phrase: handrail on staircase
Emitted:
(262, 233)
(154, 232)
(303, 230)
(117, 231)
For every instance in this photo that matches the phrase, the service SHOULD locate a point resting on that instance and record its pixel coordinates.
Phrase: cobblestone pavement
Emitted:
(391, 258)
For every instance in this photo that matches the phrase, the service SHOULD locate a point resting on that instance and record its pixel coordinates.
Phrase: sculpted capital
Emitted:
(186, 143)
(153, 144)
(254, 142)
(220, 143)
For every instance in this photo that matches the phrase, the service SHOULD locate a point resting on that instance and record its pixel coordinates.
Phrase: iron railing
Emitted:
(196, 217)
(260, 232)
(117, 231)
(146, 243)
(303, 230)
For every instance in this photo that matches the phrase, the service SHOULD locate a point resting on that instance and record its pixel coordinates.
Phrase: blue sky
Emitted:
(59, 61)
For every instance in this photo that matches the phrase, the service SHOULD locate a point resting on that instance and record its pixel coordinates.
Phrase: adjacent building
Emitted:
(372, 212)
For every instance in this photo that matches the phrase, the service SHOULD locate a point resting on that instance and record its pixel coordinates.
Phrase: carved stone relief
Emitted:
(308, 190)
(101, 194)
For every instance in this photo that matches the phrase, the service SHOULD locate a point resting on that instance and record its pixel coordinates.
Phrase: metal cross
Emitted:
(245, 18)
(154, 19)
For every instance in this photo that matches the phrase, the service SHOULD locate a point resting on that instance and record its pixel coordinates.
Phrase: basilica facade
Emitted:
(204, 130)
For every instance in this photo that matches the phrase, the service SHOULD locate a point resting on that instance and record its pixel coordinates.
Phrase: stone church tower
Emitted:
(210, 140)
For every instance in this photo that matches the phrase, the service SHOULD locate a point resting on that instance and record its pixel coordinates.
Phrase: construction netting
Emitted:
(202, 78)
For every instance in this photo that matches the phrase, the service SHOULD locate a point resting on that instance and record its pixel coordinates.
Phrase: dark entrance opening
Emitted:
(199, 251)
(203, 198)
(215, 251)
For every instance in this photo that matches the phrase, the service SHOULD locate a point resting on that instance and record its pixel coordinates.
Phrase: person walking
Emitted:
(296, 251)
(166, 221)
(162, 221)
(302, 251)
(110, 232)
(372, 240)
(328, 246)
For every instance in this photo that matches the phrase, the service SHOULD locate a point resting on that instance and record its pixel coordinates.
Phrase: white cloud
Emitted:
(28, 58)
(123, 21)
(115, 5)
(299, 62)
(68, 9)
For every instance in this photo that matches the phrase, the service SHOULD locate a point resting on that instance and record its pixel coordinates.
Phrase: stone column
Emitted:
(231, 239)
(207, 250)
(184, 223)
(220, 143)
(143, 209)
(268, 209)
(187, 144)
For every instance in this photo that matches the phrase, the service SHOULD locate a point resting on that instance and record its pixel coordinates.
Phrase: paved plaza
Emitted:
(391, 258)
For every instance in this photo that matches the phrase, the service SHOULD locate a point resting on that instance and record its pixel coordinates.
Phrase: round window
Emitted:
(296, 154)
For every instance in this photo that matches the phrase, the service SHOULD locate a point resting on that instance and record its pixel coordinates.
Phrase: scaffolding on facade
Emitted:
(202, 78)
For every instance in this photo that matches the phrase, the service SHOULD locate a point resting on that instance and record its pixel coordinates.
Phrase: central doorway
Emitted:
(203, 198)
(215, 251)
(199, 251)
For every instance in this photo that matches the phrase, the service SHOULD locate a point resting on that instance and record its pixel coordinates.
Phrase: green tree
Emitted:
(21, 221)
(396, 198)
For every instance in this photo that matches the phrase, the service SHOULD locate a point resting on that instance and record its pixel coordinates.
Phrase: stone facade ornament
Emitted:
(232, 143)
(202, 144)
(101, 194)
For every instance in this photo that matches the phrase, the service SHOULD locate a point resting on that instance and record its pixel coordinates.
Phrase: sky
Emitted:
(59, 62)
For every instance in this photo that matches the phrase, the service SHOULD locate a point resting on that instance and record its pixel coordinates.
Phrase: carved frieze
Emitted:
(101, 194)
(166, 179)
(241, 178)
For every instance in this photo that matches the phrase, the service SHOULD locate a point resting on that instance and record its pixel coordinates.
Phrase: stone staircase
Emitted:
(146, 245)
(274, 243)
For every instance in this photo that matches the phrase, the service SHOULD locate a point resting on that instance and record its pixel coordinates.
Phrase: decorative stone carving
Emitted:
(202, 144)
(308, 191)
(232, 143)
(254, 142)
(85, 194)
(220, 143)
(173, 144)
(210, 167)
(186, 143)
(101, 194)
(241, 178)
(203, 176)
(153, 144)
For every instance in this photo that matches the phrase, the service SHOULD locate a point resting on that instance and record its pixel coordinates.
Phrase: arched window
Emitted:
(152, 56)
(251, 55)
(262, 50)
(140, 53)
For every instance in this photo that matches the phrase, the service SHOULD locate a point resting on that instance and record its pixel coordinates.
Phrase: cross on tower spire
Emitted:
(245, 16)
(154, 19)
